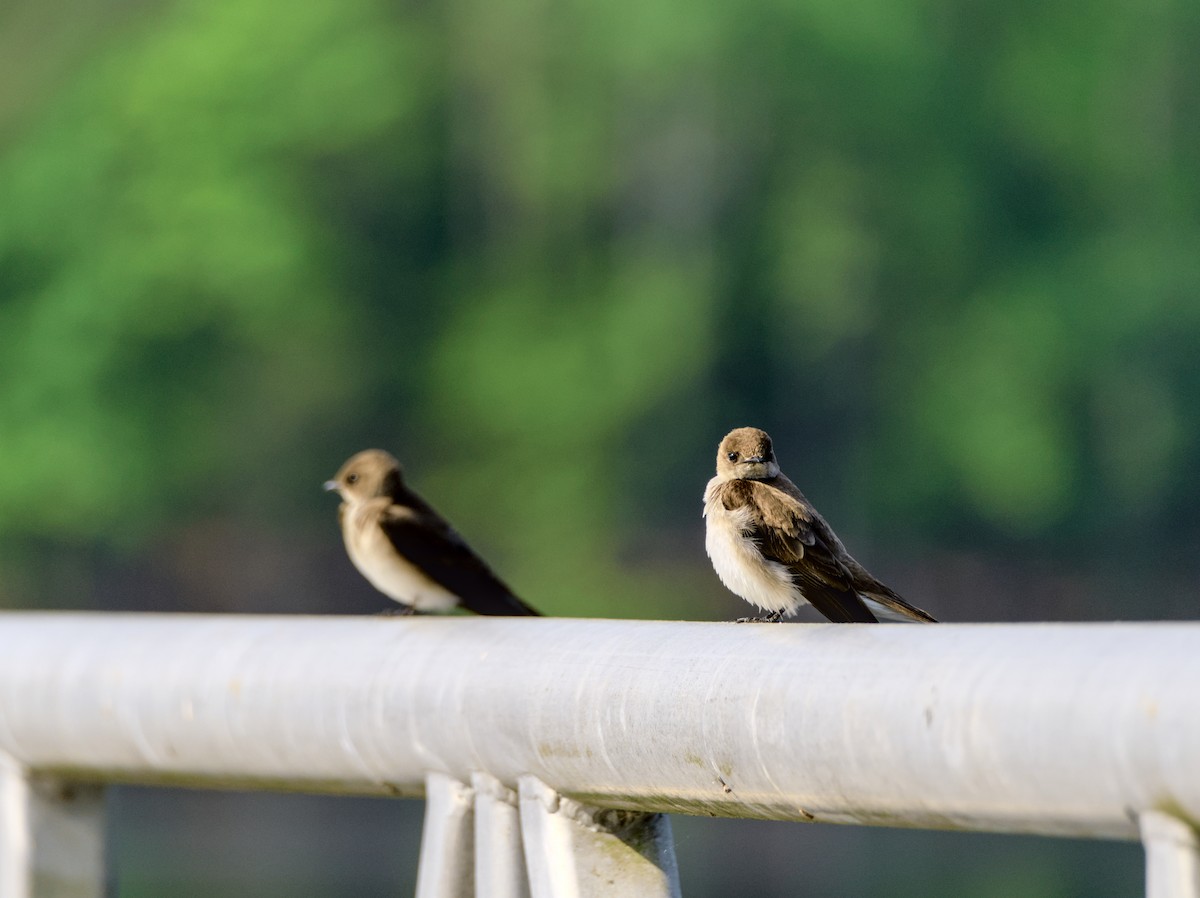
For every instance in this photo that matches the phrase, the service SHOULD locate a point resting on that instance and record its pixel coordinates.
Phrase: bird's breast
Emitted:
(739, 562)
(387, 570)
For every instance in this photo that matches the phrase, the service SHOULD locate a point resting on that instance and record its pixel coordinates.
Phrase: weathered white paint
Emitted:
(1056, 729)
(446, 869)
(576, 851)
(499, 856)
(51, 836)
(1172, 856)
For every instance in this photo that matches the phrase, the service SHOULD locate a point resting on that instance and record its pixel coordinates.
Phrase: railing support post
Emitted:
(1172, 856)
(447, 865)
(576, 851)
(51, 836)
(499, 858)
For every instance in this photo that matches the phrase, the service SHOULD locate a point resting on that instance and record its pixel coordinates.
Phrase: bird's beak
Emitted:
(755, 460)
(331, 486)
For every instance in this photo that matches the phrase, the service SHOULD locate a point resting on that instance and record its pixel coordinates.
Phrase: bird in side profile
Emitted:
(406, 549)
(773, 549)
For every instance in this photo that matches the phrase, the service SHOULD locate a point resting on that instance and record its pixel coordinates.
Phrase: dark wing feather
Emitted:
(421, 536)
(792, 533)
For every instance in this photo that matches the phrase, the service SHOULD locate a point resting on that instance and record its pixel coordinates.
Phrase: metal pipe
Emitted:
(499, 856)
(1048, 728)
(51, 836)
(576, 851)
(1172, 856)
(446, 868)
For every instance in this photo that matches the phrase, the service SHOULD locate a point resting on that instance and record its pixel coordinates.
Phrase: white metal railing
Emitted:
(549, 748)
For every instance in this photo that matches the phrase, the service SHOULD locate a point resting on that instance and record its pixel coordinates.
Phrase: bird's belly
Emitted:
(396, 578)
(742, 567)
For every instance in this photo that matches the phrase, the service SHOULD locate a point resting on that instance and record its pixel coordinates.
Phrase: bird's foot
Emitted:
(773, 618)
(399, 611)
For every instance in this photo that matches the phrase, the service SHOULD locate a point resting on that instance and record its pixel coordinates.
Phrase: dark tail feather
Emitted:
(499, 604)
(897, 605)
(519, 608)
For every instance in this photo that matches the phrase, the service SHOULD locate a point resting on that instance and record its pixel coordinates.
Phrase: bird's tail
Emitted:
(520, 608)
(499, 604)
(887, 605)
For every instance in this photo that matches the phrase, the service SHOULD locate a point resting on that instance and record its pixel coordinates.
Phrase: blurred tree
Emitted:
(173, 315)
(549, 253)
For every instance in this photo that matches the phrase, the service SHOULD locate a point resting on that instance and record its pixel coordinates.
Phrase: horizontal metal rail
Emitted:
(1080, 730)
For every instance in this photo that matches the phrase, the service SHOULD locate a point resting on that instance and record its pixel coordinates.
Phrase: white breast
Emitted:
(739, 563)
(386, 570)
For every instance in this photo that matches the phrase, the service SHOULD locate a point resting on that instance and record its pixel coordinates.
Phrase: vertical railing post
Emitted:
(447, 865)
(1172, 856)
(499, 858)
(576, 851)
(51, 836)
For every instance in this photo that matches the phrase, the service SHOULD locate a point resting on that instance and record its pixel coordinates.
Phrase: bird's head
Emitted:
(368, 475)
(746, 454)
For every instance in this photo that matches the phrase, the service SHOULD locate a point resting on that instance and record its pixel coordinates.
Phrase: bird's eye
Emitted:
(732, 456)
(352, 478)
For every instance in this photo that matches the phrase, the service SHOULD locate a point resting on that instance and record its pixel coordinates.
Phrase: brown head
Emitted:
(746, 454)
(368, 475)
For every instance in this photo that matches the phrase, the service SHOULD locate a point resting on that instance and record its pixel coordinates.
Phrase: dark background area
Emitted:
(548, 254)
(200, 844)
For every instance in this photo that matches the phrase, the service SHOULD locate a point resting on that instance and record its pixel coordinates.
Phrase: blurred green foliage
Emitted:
(550, 253)
(948, 254)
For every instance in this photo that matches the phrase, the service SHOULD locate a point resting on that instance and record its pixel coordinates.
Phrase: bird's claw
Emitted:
(398, 611)
(773, 618)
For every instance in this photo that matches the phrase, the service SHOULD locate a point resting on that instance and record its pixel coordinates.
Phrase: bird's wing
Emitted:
(420, 535)
(788, 530)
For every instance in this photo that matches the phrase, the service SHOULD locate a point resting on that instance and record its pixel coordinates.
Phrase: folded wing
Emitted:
(421, 536)
(791, 533)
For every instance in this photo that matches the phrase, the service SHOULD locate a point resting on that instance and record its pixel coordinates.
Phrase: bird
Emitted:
(407, 550)
(771, 547)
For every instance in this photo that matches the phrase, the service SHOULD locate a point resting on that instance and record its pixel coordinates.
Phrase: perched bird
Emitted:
(773, 549)
(406, 549)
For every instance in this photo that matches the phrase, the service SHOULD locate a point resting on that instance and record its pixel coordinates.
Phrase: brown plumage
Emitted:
(771, 547)
(405, 549)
